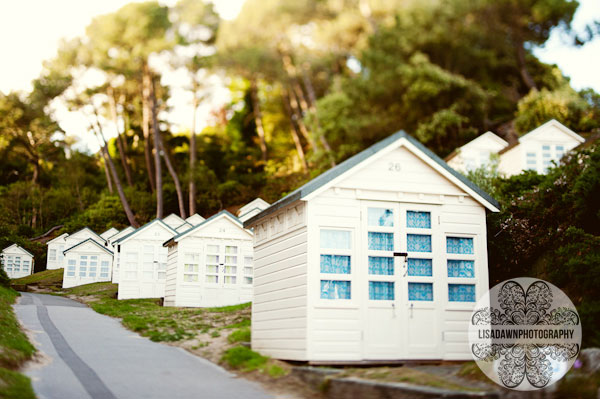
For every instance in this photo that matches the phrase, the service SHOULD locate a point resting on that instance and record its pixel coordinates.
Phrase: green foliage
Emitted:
(241, 335)
(563, 104)
(241, 357)
(46, 277)
(4, 279)
(549, 227)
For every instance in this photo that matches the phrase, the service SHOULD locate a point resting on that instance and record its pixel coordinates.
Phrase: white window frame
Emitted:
(334, 276)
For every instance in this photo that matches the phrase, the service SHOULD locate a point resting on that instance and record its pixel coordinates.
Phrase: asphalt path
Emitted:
(85, 355)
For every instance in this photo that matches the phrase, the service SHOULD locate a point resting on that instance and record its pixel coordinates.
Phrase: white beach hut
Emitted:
(195, 219)
(87, 262)
(57, 246)
(252, 208)
(143, 261)
(17, 262)
(380, 258)
(109, 233)
(210, 264)
(113, 247)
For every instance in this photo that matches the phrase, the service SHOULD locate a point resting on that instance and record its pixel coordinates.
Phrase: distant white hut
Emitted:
(143, 260)
(210, 264)
(173, 221)
(17, 262)
(381, 258)
(87, 262)
(252, 208)
(195, 219)
(113, 247)
(109, 233)
(57, 246)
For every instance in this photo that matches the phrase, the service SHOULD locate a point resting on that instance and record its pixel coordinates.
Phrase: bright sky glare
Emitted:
(32, 29)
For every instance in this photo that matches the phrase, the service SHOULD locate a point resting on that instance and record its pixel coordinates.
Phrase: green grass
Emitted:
(100, 290)
(14, 385)
(15, 349)
(245, 359)
(47, 277)
(241, 335)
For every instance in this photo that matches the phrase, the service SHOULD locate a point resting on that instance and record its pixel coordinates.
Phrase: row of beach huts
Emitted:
(380, 258)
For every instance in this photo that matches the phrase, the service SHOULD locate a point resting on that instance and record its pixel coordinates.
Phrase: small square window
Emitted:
(380, 217)
(418, 220)
(461, 292)
(459, 245)
(461, 268)
(335, 239)
(418, 242)
(381, 265)
(381, 291)
(420, 267)
(335, 289)
(339, 264)
(420, 291)
(381, 241)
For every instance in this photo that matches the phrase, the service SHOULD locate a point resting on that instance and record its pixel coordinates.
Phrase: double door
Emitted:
(398, 263)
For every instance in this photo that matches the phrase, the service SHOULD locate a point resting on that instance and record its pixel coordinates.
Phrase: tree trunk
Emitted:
(258, 119)
(146, 125)
(116, 179)
(173, 174)
(525, 76)
(108, 180)
(312, 106)
(192, 193)
(157, 140)
(121, 147)
(294, 132)
(297, 117)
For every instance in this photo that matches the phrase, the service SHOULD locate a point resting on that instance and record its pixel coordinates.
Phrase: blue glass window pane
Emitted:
(461, 268)
(419, 220)
(420, 267)
(461, 292)
(418, 242)
(381, 291)
(333, 289)
(335, 264)
(380, 217)
(420, 291)
(459, 245)
(336, 239)
(381, 241)
(381, 265)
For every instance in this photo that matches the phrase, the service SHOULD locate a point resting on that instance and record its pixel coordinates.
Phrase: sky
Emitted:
(32, 29)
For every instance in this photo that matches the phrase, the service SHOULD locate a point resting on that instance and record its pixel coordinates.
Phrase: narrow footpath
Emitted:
(86, 355)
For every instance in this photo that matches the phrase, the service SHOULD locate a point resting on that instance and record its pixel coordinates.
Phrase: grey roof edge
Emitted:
(120, 240)
(351, 162)
(18, 246)
(210, 219)
(90, 240)
(93, 232)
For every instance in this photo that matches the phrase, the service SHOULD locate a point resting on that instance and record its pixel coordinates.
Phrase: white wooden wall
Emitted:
(55, 257)
(279, 307)
(17, 263)
(86, 264)
(142, 264)
(190, 288)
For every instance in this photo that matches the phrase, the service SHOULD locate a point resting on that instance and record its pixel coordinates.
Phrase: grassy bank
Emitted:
(15, 349)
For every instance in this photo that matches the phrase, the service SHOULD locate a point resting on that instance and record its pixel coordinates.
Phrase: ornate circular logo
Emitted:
(525, 334)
